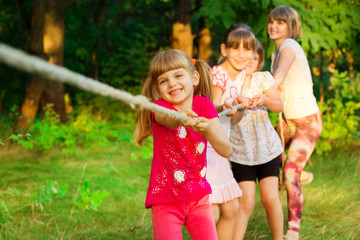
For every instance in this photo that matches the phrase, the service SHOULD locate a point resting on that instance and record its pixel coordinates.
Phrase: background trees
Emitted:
(113, 41)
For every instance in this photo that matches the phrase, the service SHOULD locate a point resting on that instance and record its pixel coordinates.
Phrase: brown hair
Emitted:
(163, 62)
(235, 34)
(290, 17)
(261, 53)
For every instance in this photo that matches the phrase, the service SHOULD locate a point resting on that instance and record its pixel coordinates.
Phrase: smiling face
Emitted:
(177, 87)
(278, 30)
(236, 58)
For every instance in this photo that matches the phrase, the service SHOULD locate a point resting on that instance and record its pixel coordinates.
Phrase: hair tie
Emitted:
(193, 60)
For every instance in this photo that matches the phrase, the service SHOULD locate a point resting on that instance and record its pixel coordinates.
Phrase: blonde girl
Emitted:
(178, 190)
(292, 75)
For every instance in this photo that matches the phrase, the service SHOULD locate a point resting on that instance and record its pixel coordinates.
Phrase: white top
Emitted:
(254, 138)
(231, 89)
(297, 88)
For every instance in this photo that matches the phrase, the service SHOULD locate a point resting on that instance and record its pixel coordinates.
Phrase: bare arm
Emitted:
(237, 117)
(287, 57)
(213, 132)
(217, 94)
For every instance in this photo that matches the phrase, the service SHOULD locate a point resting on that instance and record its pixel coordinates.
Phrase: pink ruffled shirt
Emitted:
(179, 159)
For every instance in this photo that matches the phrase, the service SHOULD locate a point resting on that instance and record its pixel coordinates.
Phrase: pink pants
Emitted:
(195, 216)
(304, 133)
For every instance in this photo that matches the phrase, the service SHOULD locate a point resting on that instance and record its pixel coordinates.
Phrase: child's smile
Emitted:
(177, 87)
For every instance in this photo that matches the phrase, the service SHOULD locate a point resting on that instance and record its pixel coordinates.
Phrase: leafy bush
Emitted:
(340, 114)
(84, 130)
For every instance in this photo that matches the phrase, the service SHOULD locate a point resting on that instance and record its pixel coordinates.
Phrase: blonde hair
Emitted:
(261, 53)
(236, 34)
(290, 17)
(163, 62)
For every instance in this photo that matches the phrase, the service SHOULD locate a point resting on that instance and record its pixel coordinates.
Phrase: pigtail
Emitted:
(204, 88)
(143, 126)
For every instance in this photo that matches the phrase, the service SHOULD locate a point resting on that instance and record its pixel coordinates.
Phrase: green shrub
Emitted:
(83, 130)
(340, 114)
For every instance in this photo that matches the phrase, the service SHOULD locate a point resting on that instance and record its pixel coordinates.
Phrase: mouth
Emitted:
(175, 91)
(240, 62)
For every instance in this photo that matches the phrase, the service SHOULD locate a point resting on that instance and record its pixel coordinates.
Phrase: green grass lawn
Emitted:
(331, 205)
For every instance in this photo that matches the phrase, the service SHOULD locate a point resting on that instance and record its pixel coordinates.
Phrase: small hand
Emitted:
(258, 101)
(192, 118)
(244, 101)
(229, 105)
(202, 126)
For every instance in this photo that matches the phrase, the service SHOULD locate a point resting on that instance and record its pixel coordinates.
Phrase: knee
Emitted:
(270, 201)
(247, 205)
(230, 209)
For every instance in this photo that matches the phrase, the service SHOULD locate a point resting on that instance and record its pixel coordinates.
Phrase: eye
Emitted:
(162, 81)
(179, 75)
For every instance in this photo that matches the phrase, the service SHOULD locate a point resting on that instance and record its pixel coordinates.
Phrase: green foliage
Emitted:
(47, 193)
(86, 200)
(5, 212)
(340, 115)
(17, 138)
(83, 131)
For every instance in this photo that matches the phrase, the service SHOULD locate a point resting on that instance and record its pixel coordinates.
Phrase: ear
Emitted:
(196, 80)
(223, 50)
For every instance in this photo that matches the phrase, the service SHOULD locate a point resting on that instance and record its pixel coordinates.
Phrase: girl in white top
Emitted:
(292, 75)
(227, 80)
(257, 147)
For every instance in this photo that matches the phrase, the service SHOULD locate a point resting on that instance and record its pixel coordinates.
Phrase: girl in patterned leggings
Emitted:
(292, 75)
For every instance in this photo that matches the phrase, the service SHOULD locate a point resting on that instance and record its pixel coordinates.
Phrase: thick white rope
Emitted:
(20, 60)
(31, 64)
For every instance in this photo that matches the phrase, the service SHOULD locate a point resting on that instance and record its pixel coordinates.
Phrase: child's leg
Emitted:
(247, 204)
(270, 200)
(225, 225)
(268, 175)
(215, 211)
(199, 220)
(167, 220)
(307, 133)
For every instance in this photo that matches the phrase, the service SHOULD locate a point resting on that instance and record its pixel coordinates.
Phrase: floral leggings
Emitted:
(303, 133)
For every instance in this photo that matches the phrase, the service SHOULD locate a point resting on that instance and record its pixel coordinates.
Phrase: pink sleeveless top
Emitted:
(179, 159)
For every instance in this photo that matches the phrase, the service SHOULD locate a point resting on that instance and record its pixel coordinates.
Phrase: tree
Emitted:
(47, 37)
(37, 83)
(182, 37)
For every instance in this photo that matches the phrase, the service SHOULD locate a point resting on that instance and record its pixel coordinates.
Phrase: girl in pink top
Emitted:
(227, 80)
(178, 189)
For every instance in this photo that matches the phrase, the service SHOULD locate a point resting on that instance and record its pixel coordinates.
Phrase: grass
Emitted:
(331, 201)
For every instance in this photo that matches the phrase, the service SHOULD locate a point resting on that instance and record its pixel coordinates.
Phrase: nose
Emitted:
(241, 53)
(172, 82)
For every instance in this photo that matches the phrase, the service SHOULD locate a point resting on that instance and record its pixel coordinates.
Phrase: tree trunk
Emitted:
(205, 44)
(35, 88)
(54, 47)
(182, 37)
(204, 37)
